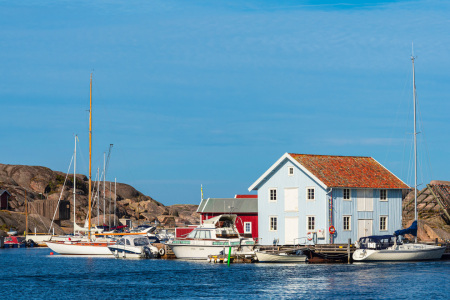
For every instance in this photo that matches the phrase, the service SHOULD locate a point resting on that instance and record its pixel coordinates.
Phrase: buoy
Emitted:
(51, 253)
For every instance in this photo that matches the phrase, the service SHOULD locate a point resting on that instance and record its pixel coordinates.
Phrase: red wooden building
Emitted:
(244, 206)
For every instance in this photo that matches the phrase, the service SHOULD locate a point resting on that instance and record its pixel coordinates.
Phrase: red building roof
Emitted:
(349, 171)
(246, 196)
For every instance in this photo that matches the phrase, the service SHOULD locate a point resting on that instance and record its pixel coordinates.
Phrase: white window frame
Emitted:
(349, 194)
(274, 228)
(308, 228)
(307, 193)
(245, 227)
(349, 223)
(386, 223)
(290, 171)
(270, 194)
(386, 199)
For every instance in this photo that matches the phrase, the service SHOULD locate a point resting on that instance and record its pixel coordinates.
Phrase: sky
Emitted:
(213, 93)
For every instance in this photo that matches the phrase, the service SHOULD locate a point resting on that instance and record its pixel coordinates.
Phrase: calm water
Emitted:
(33, 273)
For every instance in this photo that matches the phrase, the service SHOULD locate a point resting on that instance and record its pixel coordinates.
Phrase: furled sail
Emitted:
(410, 230)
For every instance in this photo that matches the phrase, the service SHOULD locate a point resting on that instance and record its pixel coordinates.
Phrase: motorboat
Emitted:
(14, 242)
(214, 237)
(390, 248)
(281, 257)
(134, 246)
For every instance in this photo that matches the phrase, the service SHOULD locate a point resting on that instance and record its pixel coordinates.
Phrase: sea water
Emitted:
(34, 273)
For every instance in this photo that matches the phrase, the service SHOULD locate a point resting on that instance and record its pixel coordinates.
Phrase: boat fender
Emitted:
(309, 236)
(332, 230)
(162, 251)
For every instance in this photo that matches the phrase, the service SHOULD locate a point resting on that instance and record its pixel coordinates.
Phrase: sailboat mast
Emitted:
(104, 190)
(74, 182)
(90, 155)
(415, 141)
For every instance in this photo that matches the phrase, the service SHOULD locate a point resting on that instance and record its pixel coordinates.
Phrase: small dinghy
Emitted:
(281, 257)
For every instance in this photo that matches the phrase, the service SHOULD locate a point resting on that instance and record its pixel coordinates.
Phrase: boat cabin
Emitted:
(377, 242)
(217, 227)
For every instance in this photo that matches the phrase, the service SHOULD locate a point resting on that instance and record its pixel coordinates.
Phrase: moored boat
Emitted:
(281, 257)
(388, 248)
(134, 246)
(214, 237)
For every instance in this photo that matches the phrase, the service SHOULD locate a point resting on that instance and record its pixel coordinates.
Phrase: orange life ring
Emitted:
(332, 230)
(309, 236)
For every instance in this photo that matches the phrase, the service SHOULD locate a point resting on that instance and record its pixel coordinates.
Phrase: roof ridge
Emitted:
(329, 155)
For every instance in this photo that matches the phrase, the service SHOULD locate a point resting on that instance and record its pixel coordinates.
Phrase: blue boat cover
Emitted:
(410, 230)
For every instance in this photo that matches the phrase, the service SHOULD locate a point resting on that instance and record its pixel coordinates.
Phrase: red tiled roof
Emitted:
(246, 196)
(349, 171)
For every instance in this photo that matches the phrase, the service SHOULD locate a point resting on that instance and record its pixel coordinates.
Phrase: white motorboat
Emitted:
(214, 237)
(387, 248)
(281, 257)
(134, 246)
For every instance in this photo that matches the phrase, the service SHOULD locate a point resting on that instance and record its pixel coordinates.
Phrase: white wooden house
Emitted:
(305, 195)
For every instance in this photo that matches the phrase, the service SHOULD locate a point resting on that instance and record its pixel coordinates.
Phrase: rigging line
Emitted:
(395, 126)
(425, 144)
(60, 195)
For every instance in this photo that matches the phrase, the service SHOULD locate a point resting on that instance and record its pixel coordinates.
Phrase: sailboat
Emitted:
(91, 246)
(387, 247)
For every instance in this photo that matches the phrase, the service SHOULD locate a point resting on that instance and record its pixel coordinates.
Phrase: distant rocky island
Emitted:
(41, 186)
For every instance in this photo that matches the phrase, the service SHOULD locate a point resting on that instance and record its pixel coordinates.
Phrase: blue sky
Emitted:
(214, 92)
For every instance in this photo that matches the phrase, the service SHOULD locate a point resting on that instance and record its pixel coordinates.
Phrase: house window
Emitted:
(311, 223)
(383, 195)
(273, 223)
(247, 227)
(272, 194)
(290, 171)
(347, 194)
(347, 223)
(383, 223)
(310, 194)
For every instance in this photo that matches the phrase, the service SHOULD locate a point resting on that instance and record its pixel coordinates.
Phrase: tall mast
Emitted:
(74, 182)
(415, 141)
(104, 191)
(90, 155)
(115, 197)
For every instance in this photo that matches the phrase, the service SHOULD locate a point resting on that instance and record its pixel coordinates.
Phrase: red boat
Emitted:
(15, 242)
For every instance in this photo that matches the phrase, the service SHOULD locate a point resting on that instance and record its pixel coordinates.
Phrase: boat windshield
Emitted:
(143, 241)
(199, 234)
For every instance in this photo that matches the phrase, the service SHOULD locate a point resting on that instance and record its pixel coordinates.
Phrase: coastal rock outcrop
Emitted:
(41, 183)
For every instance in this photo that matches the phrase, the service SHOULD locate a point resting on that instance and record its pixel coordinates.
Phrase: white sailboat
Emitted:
(387, 248)
(91, 246)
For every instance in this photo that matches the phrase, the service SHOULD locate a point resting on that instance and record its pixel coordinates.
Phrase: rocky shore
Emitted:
(36, 183)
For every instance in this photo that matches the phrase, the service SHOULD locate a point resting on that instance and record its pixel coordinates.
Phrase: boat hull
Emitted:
(120, 251)
(196, 252)
(83, 248)
(406, 252)
(265, 257)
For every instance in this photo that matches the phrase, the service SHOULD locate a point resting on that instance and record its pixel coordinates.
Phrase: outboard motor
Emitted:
(148, 252)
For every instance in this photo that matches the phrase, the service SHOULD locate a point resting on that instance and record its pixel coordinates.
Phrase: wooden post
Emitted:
(349, 244)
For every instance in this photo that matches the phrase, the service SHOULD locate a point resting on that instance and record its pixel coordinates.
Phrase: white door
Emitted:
(291, 199)
(365, 200)
(290, 230)
(364, 228)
